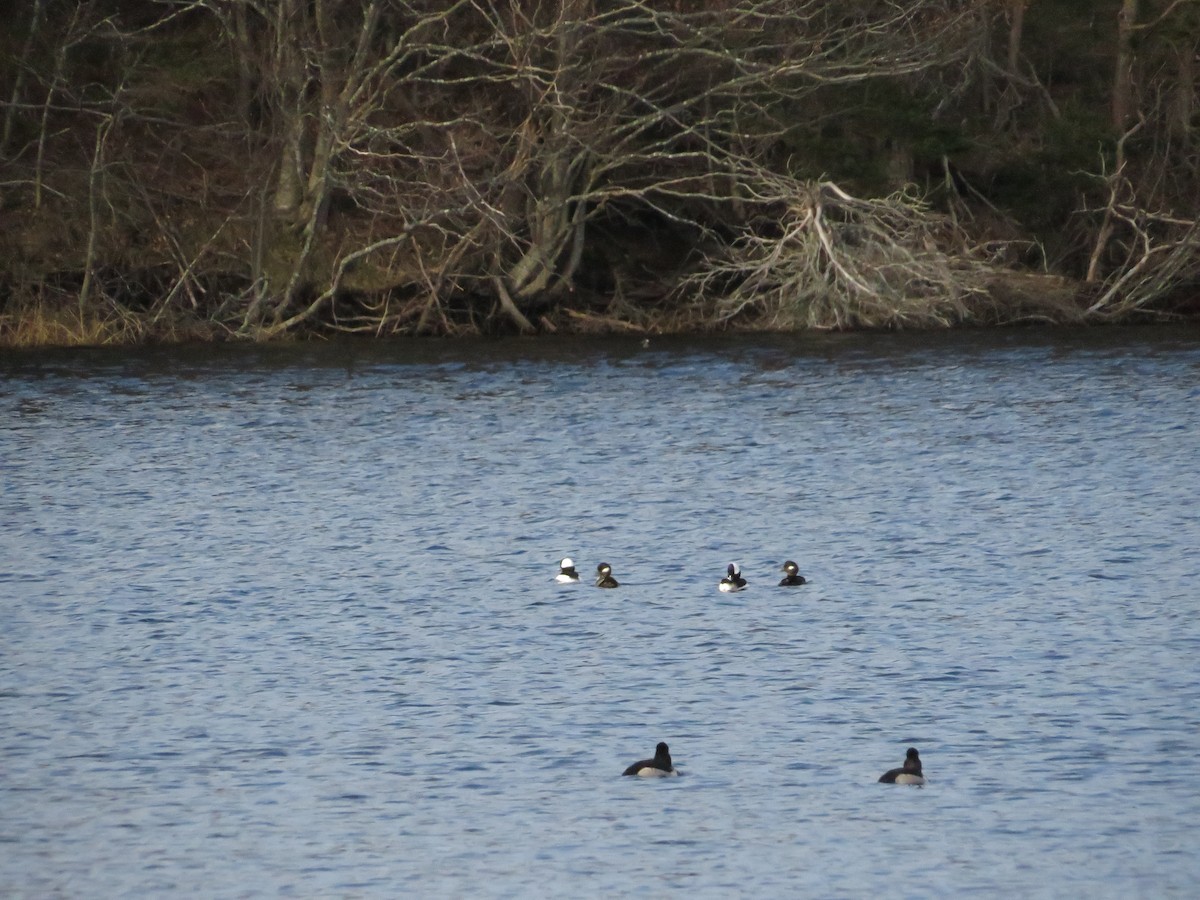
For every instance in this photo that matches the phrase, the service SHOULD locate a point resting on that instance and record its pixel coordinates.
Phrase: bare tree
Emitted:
(1143, 250)
(86, 136)
(36, 14)
(411, 165)
(490, 145)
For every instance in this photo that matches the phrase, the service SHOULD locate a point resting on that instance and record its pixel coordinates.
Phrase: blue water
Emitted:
(283, 621)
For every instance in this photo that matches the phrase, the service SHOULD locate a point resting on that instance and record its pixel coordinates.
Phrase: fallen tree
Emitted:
(816, 257)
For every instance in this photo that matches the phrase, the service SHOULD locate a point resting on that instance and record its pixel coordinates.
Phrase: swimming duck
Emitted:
(733, 580)
(566, 571)
(793, 577)
(605, 579)
(909, 773)
(659, 767)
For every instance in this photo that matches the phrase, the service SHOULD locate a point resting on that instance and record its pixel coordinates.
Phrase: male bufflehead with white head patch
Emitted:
(566, 571)
(733, 580)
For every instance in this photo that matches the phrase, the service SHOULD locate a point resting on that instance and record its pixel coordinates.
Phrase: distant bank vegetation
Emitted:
(216, 169)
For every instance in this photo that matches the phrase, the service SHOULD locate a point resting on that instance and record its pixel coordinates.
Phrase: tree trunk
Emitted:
(1179, 121)
(35, 19)
(1016, 26)
(289, 77)
(1123, 104)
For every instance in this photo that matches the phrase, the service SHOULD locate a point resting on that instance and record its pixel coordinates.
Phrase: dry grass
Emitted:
(46, 324)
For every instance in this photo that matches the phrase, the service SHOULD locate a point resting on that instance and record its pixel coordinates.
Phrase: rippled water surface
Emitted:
(283, 622)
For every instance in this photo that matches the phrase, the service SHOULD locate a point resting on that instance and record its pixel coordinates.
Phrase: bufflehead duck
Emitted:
(733, 581)
(659, 767)
(605, 579)
(909, 773)
(566, 571)
(793, 576)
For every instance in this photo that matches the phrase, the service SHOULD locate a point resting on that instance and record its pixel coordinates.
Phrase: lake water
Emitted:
(282, 622)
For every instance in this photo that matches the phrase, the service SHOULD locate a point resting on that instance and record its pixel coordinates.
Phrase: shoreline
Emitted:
(1013, 300)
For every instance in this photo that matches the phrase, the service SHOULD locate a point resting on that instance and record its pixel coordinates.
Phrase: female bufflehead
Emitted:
(793, 576)
(659, 767)
(605, 579)
(566, 571)
(733, 581)
(909, 773)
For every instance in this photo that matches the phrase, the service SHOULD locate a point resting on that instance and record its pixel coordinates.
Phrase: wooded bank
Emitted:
(220, 169)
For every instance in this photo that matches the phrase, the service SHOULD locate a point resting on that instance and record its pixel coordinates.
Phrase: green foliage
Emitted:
(1040, 182)
(1070, 44)
(853, 135)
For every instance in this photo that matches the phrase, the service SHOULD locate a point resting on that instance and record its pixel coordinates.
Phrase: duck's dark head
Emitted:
(662, 756)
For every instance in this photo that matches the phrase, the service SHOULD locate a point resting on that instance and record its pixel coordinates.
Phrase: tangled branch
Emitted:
(818, 257)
